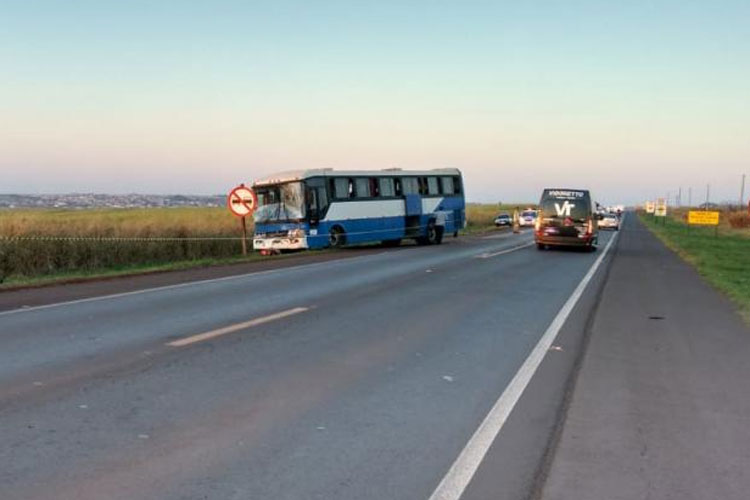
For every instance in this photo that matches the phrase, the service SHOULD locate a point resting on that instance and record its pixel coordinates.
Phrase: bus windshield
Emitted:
(282, 202)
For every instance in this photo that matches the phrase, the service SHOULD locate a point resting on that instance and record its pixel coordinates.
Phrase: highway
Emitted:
(365, 377)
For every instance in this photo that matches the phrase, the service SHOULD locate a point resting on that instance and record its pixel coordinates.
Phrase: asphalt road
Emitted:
(363, 378)
(660, 407)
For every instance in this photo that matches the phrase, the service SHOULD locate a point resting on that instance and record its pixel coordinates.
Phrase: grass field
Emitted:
(724, 260)
(43, 245)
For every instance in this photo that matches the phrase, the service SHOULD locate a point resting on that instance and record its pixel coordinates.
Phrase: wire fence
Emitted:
(39, 256)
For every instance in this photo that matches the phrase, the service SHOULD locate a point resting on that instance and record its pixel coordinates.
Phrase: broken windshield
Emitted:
(282, 202)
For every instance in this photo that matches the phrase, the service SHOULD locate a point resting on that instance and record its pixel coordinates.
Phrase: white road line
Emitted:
(233, 328)
(463, 469)
(181, 285)
(487, 255)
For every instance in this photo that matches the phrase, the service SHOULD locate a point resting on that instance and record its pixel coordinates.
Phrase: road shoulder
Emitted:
(660, 407)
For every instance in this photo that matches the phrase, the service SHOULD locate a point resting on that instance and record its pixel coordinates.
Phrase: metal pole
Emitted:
(244, 237)
(679, 197)
(690, 197)
(708, 191)
(742, 192)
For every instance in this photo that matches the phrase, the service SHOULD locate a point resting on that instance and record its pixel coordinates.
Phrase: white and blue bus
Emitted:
(332, 208)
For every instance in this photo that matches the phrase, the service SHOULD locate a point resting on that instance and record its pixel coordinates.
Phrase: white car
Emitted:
(609, 221)
(527, 218)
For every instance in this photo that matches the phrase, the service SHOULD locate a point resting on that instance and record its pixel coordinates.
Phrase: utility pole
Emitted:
(742, 192)
(690, 197)
(679, 197)
(708, 192)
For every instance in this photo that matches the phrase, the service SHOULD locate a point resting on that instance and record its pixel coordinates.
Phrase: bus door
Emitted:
(413, 221)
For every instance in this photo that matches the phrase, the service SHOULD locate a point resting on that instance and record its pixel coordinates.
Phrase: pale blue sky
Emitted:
(632, 99)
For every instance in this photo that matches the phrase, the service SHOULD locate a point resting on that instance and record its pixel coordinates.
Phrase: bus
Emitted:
(320, 208)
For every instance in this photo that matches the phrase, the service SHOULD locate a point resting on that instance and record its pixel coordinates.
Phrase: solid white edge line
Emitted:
(459, 475)
(179, 285)
(233, 328)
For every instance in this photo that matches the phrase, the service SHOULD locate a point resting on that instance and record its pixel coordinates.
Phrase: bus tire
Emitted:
(336, 237)
(431, 234)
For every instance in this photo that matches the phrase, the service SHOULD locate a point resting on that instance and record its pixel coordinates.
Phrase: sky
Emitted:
(632, 100)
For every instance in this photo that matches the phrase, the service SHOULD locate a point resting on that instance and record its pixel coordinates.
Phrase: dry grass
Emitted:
(29, 255)
(481, 217)
(25, 254)
(122, 223)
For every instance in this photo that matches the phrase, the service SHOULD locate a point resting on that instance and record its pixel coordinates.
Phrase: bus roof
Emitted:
(297, 175)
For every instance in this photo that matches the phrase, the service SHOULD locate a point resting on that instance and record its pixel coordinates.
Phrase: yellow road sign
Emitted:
(703, 218)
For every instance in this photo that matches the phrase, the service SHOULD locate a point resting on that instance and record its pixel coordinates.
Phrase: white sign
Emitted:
(660, 210)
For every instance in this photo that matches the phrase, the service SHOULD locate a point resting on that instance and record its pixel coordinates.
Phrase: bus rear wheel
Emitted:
(336, 237)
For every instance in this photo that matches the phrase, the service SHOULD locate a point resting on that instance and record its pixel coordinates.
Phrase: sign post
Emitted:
(242, 202)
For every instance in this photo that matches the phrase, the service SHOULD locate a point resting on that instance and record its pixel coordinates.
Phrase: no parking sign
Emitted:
(242, 201)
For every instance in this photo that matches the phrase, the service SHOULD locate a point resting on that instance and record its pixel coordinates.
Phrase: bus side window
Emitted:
(374, 187)
(410, 185)
(387, 187)
(457, 187)
(447, 185)
(341, 188)
(432, 186)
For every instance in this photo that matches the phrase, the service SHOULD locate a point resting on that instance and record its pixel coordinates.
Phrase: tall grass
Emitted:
(36, 243)
(481, 216)
(43, 243)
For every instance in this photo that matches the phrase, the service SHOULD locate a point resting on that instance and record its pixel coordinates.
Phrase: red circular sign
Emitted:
(242, 201)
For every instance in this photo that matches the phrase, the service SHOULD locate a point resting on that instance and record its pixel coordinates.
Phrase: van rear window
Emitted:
(566, 203)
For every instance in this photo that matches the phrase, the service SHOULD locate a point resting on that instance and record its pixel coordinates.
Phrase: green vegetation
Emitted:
(724, 260)
(39, 246)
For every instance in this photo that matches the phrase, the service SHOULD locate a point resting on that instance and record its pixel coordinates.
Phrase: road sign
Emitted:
(649, 207)
(660, 210)
(242, 201)
(703, 218)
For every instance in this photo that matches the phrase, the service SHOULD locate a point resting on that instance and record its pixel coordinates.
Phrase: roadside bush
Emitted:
(739, 220)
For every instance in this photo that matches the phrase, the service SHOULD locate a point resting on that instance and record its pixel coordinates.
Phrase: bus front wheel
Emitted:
(337, 237)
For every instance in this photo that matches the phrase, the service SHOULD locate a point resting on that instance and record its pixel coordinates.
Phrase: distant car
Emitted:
(609, 221)
(527, 218)
(503, 220)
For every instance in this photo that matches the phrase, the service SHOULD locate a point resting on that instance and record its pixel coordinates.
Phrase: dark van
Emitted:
(566, 218)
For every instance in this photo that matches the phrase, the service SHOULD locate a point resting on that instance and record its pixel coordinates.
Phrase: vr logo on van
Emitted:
(565, 209)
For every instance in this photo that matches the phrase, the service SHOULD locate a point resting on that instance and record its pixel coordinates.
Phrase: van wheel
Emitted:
(337, 237)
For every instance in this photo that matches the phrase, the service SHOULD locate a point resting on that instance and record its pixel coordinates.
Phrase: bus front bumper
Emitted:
(280, 243)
